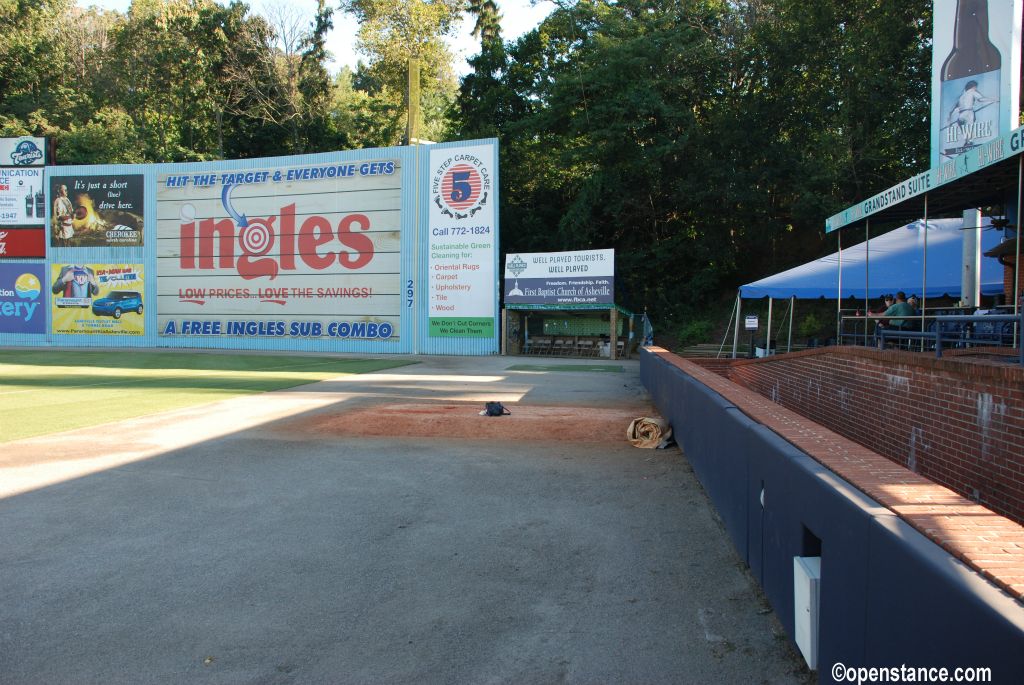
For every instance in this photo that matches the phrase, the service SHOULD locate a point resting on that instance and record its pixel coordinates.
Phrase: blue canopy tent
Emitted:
(892, 261)
(886, 264)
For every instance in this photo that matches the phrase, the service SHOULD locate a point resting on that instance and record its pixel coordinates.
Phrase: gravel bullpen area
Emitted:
(377, 529)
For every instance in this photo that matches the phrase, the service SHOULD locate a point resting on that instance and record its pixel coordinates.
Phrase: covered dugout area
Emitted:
(568, 330)
(859, 275)
(990, 176)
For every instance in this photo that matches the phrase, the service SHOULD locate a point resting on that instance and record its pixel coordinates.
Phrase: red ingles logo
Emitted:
(214, 243)
(461, 185)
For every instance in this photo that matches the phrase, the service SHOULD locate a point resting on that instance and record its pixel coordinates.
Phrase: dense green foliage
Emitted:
(705, 140)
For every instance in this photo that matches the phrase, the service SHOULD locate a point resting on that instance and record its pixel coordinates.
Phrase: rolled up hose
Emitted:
(649, 433)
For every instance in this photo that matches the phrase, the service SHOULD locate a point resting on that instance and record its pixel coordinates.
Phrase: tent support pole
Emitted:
(924, 273)
(726, 336)
(736, 331)
(839, 292)
(768, 330)
(792, 306)
(867, 275)
(782, 322)
(1016, 260)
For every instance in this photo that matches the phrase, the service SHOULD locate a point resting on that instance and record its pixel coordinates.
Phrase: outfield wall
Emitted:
(889, 595)
(377, 251)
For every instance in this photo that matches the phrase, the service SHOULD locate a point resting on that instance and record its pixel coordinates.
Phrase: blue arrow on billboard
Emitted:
(225, 198)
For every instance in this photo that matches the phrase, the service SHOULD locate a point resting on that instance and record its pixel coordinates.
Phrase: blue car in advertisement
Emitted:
(117, 303)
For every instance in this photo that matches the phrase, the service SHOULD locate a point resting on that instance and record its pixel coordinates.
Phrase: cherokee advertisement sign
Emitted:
(586, 277)
(97, 211)
(309, 251)
(97, 299)
(21, 299)
(462, 242)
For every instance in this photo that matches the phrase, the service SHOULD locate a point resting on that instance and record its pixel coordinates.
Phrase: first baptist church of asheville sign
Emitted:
(561, 278)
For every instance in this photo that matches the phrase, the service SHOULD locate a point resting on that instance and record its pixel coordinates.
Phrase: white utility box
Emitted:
(806, 584)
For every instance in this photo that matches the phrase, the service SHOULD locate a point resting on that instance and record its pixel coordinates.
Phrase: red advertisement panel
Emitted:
(22, 242)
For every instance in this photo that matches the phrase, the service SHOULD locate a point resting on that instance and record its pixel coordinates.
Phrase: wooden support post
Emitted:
(630, 339)
(614, 318)
(412, 132)
(504, 332)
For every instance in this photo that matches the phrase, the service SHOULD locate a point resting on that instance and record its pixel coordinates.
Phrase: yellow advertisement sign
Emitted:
(104, 299)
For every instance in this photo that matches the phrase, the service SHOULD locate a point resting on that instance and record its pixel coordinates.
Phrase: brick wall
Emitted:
(959, 423)
(1008, 272)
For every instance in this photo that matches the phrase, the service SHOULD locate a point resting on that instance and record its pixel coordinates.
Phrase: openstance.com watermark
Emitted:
(909, 674)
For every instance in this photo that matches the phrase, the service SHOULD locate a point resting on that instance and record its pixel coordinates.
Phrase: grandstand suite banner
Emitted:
(963, 165)
(583, 277)
(296, 251)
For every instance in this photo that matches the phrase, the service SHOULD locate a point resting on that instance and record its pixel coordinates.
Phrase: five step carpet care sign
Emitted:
(462, 242)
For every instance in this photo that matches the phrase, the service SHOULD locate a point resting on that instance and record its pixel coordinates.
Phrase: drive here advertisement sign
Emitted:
(307, 251)
(462, 242)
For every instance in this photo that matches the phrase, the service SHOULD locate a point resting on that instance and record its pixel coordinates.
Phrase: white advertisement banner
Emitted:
(581, 277)
(22, 200)
(462, 242)
(22, 151)
(306, 251)
(975, 74)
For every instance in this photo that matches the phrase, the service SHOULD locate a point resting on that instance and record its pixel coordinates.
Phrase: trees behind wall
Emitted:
(705, 140)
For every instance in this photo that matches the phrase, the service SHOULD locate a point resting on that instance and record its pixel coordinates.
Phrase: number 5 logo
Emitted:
(461, 190)
(461, 186)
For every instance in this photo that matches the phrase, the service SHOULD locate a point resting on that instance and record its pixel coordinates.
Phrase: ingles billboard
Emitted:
(281, 252)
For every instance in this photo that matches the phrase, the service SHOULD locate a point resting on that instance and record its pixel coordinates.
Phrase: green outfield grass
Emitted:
(51, 391)
(584, 368)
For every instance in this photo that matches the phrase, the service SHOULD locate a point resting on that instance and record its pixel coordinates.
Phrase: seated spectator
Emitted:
(912, 301)
(898, 309)
(885, 304)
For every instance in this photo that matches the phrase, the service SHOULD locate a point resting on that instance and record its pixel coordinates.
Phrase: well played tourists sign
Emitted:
(585, 277)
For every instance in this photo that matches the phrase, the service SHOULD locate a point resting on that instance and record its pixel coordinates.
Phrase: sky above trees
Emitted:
(518, 17)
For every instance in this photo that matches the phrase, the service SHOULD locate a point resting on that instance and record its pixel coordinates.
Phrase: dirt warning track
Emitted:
(463, 421)
(376, 529)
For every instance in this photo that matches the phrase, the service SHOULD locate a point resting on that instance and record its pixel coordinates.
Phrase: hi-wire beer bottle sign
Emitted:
(970, 80)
